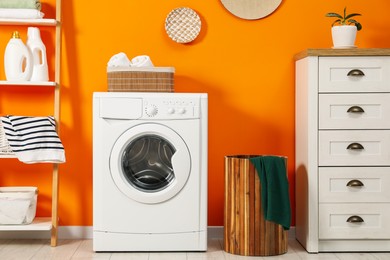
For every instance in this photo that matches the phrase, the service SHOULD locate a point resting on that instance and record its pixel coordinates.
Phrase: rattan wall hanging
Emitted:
(251, 9)
(183, 25)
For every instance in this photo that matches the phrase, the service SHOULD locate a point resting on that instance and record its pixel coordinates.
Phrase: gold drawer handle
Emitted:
(356, 73)
(355, 183)
(355, 146)
(355, 109)
(355, 219)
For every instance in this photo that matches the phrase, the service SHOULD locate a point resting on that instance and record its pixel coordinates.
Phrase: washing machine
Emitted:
(149, 171)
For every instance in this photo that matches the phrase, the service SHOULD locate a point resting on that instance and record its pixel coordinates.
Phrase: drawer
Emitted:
(354, 74)
(354, 148)
(354, 184)
(336, 221)
(354, 111)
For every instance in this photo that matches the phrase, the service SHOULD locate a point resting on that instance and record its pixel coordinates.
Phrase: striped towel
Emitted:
(33, 139)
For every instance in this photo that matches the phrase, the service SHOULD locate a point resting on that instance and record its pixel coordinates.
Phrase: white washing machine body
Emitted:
(149, 171)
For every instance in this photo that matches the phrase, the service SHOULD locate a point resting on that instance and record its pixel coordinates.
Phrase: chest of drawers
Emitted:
(343, 149)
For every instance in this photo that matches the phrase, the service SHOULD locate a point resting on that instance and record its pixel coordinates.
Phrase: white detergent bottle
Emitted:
(17, 60)
(38, 51)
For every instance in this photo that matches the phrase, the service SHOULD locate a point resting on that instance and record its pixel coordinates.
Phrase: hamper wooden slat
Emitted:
(246, 232)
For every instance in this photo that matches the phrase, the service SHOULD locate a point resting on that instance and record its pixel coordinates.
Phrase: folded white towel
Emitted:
(141, 61)
(119, 60)
(33, 139)
(10, 13)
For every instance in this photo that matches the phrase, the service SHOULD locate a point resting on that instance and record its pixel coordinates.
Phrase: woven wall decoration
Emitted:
(251, 9)
(183, 25)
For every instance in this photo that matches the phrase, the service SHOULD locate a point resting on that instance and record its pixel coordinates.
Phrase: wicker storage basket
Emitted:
(141, 79)
(5, 149)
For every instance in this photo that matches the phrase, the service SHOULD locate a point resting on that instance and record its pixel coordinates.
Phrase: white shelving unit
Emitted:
(39, 224)
(50, 223)
(29, 22)
(28, 83)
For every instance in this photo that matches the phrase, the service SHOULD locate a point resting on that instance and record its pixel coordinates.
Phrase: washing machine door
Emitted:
(150, 163)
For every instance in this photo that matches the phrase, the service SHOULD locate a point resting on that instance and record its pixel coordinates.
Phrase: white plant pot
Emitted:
(344, 36)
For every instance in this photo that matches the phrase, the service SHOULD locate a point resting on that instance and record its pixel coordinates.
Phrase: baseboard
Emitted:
(86, 232)
(64, 232)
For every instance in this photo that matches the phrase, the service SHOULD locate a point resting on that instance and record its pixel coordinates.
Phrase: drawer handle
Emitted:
(356, 73)
(355, 146)
(355, 183)
(355, 219)
(355, 109)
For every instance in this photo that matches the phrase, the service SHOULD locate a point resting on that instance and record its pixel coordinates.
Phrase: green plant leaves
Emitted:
(344, 19)
(334, 15)
(351, 15)
(356, 23)
(335, 22)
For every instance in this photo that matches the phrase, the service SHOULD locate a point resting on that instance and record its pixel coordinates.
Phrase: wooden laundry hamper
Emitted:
(246, 232)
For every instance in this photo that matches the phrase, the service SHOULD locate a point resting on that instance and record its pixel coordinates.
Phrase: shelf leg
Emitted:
(54, 213)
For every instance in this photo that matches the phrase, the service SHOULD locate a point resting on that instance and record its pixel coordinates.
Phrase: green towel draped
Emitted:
(21, 4)
(275, 197)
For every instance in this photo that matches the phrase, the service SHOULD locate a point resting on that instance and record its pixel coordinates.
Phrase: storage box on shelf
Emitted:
(47, 223)
(343, 149)
(17, 205)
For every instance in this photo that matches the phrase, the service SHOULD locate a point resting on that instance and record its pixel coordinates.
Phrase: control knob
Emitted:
(171, 110)
(181, 110)
(151, 110)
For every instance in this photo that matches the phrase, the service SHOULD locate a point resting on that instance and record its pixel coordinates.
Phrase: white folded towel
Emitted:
(33, 139)
(119, 60)
(9, 13)
(141, 61)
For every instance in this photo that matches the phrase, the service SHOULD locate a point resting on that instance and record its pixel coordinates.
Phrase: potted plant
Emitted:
(344, 29)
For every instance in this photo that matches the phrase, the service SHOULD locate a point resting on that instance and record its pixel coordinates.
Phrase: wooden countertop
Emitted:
(343, 52)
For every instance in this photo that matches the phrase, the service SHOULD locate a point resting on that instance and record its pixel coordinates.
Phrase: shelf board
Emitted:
(39, 224)
(4, 156)
(42, 22)
(28, 83)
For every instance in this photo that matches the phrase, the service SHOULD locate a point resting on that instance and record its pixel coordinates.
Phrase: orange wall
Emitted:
(246, 67)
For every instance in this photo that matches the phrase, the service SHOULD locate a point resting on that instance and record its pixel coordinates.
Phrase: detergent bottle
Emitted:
(38, 51)
(17, 60)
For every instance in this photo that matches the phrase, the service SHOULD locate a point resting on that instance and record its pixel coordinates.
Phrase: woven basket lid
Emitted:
(182, 25)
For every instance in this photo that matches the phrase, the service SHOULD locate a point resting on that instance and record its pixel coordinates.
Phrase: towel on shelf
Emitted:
(28, 4)
(33, 139)
(275, 197)
(9, 13)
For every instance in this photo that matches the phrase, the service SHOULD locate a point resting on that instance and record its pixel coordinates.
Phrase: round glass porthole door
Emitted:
(146, 163)
(150, 163)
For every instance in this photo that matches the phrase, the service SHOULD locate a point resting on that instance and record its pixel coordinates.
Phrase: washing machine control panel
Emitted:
(171, 108)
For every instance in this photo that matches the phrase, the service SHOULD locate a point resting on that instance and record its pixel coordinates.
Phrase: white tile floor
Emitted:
(82, 249)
